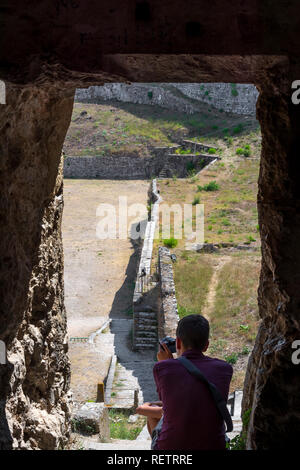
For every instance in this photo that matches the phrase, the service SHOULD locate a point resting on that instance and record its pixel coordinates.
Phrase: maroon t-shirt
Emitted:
(191, 419)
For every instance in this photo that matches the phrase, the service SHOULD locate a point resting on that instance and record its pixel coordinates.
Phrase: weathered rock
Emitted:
(273, 381)
(207, 248)
(34, 384)
(92, 418)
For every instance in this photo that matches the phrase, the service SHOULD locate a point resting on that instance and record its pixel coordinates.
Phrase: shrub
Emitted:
(196, 200)
(244, 151)
(234, 91)
(238, 129)
(229, 140)
(232, 358)
(245, 350)
(239, 441)
(244, 327)
(192, 173)
(190, 166)
(226, 222)
(211, 186)
(247, 153)
(183, 151)
(183, 311)
(170, 242)
(212, 151)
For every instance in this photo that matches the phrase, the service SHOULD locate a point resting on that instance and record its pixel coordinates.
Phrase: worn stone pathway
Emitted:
(133, 370)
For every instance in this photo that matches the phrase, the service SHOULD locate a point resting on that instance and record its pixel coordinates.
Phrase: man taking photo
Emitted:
(188, 416)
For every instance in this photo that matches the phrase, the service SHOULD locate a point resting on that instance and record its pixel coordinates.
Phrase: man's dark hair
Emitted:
(193, 330)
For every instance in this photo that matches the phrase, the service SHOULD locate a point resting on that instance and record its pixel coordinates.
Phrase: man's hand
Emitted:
(151, 410)
(164, 353)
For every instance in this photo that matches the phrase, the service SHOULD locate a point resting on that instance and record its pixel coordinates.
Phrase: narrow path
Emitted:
(211, 295)
(133, 370)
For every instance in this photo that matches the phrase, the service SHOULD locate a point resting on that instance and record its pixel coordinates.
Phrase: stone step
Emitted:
(146, 315)
(143, 336)
(147, 323)
(143, 346)
(146, 345)
(141, 327)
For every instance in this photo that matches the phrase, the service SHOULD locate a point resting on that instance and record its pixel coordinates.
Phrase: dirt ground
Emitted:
(98, 273)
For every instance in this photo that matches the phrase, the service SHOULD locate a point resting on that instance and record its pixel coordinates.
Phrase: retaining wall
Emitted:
(146, 253)
(184, 97)
(167, 305)
(133, 166)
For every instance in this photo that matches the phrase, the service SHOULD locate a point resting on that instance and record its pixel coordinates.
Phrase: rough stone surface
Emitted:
(167, 313)
(93, 416)
(184, 97)
(34, 384)
(272, 382)
(133, 166)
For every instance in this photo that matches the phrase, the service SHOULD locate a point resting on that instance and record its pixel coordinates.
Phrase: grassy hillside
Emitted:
(99, 129)
(222, 286)
(230, 207)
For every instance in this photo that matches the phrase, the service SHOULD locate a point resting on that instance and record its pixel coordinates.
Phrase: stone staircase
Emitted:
(145, 332)
(164, 173)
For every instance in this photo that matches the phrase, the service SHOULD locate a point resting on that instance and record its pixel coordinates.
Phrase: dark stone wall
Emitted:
(80, 36)
(133, 166)
(34, 383)
(273, 381)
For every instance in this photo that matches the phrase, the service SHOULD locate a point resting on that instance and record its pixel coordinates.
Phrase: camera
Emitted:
(170, 342)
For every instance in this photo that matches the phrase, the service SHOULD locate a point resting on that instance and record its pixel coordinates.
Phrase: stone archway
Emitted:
(34, 384)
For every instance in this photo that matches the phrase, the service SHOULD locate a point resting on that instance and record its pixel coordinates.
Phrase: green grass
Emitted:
(235, 307)
(192, 274)
(170, 242)
(116, 127)
(211, 186)
(119, 426)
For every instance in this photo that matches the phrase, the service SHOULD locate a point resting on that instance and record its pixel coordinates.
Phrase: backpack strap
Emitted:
(218, 399)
